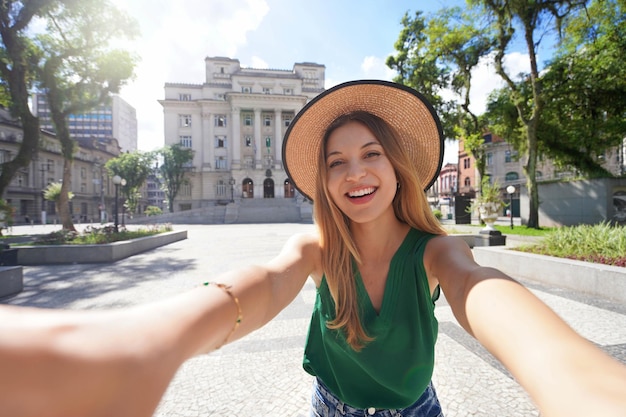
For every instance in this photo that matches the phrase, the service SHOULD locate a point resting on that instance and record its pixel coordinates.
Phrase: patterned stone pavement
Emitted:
(261, 375)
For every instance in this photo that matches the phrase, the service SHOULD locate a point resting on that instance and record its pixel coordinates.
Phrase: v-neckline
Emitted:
(389, 284)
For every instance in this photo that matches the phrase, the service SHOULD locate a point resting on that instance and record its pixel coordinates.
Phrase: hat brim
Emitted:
(404, 109)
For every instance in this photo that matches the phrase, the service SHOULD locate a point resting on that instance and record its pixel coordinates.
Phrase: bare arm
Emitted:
(119, 362)
(564, 373)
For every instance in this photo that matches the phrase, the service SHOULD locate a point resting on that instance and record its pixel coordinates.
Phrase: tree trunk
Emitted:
(64, 200)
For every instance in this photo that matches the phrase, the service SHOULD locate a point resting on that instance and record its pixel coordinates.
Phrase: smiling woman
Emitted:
(379, 261)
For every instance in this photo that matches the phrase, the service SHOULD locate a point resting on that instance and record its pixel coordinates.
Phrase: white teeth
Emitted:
(362, 192)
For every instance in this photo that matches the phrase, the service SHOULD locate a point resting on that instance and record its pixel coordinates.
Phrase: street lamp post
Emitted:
(232, 189)
(511, 190)
(117, 180)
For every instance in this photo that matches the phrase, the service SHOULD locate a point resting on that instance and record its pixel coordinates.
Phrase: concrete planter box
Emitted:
(595, 279)
(81, 254)
(11, 280)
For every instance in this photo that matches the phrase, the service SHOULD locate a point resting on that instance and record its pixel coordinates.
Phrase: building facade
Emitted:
(92, 188)
(504, 166)
(117, 119)
(235, 122)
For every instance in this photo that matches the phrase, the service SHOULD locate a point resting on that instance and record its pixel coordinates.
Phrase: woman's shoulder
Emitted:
(310, 249)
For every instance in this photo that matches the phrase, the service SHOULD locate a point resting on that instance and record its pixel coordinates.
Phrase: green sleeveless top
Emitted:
(394, 369)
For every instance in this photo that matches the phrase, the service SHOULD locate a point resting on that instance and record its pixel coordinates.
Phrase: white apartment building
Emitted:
(235, 122)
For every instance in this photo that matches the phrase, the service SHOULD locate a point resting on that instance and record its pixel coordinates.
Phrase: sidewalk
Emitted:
(261, 375)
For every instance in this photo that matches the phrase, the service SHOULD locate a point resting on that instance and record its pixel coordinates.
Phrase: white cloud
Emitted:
(374, 67)
(258, 63)
(176, 37)
(485, 80)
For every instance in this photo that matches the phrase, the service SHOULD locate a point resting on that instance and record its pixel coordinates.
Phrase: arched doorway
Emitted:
(290, 191)
(268, 188)
(247, 188)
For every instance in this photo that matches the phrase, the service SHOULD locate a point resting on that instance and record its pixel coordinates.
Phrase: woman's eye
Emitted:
(372, 154)
(334, 164)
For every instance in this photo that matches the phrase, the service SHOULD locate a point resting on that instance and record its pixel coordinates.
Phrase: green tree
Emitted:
(134, 167)
(79, 70)
(18, 59)
(437, 54)
(533, 19)
(53, 193)
(585, 88)
(174, 169)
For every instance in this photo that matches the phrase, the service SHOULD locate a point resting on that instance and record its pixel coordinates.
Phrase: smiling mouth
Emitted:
(362, 192)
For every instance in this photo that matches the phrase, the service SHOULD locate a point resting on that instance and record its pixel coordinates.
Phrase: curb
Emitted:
(605, 281)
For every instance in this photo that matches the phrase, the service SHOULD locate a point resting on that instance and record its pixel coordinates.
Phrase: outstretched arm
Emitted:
(565, 374)
(119, 362)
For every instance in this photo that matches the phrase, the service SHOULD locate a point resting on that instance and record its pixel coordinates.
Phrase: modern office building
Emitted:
(235, 121)
(116, 119)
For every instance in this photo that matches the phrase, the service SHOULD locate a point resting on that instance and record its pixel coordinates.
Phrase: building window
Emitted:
(185, 141)
(220, 141)
(247, 119)
(467, 182)
(507, 156)
(220, 120)
(511, 176)
(185, 191)
(246, 90)
(287, 120)
(221, 188)
(489, 159)
(220, 163)
(184, 97)
(288, 91)
(466, 163)
(267, 120)
(248, 140)
(185, 120)
(267, 90)
(83, 172)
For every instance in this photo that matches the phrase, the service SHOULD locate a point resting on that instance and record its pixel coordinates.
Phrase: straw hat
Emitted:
(403, 108)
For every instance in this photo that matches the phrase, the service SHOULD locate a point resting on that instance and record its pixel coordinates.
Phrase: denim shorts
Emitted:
(325, 404)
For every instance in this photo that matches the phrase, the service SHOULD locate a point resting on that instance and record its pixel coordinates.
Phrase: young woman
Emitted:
(364, 152)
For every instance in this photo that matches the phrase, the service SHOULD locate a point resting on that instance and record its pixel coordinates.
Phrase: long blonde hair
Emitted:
(338, 247)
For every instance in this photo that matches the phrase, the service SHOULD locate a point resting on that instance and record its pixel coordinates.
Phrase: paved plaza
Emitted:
(261, 374)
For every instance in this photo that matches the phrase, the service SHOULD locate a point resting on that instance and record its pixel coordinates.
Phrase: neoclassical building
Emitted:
(235, 122)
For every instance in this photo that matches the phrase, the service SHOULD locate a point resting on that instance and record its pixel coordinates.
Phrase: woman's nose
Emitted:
(355, 171)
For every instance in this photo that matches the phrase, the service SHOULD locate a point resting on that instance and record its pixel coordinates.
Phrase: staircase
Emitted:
(247, 210)
(268, 210)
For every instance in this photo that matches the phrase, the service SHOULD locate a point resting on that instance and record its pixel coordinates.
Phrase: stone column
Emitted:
(279, 137)
(235, 148)
(208, 140)
(258, 154)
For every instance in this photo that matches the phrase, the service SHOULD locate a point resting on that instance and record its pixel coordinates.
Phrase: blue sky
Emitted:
(352, 38)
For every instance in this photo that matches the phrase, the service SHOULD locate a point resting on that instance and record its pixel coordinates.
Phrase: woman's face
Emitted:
(360, 179)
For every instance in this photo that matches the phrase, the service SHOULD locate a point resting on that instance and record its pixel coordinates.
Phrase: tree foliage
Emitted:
(585, 88)
(174, 170)
(79, 70)
(134, 167)
(71, 62)
(439, 53)
(18, 60)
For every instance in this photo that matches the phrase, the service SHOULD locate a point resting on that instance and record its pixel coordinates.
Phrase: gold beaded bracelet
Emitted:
(236, 300)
